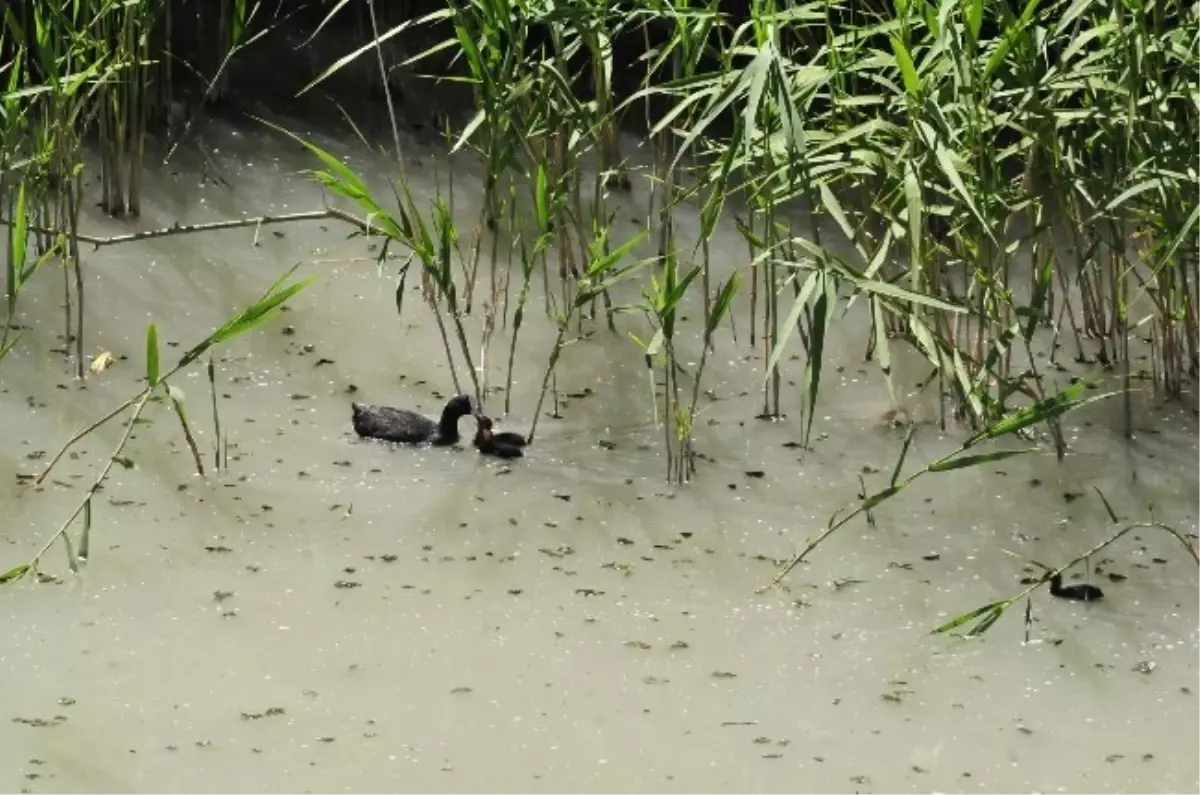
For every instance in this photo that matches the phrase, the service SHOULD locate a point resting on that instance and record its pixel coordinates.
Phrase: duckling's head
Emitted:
(483, 430)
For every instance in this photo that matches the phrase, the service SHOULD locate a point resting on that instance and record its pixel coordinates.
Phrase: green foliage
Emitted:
(243, 322)
(263, 310)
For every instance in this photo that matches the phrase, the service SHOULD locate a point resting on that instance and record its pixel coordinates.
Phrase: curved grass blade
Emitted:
(14, 574)
(789, 325)
(4, 351)
(177, 399)
(880, 496)
(250, 318)
(1053, 406)
(882, 347)
(1111, 513)
(962, 462)
(72, 561)
(908, 437)
(986, 623)
(723, 301)
(85, 536)
(958, 621)
(18, 239)
(821, 313)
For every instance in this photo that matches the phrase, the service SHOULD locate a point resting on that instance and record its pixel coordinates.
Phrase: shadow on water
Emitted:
(333, 614)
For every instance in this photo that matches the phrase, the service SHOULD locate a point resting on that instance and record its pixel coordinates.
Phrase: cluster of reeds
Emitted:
(73, 74)
(978, 176)
(986, 179)
(158, 388)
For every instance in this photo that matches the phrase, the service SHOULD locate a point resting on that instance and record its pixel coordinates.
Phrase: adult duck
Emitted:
(408, 427)
(505, 444)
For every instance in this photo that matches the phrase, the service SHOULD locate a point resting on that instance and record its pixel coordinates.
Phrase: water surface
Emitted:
(329, 614)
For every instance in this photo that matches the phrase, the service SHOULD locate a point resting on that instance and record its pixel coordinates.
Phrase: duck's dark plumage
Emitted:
(1080, 593)
(408, 427)
(501, 445)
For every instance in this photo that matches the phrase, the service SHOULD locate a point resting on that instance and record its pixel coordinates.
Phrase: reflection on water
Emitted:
(331, 614)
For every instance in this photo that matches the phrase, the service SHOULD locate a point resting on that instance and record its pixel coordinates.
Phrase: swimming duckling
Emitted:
(1081, 593)
(501, 445)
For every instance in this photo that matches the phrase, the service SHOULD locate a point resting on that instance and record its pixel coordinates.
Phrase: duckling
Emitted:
(1082, 592)
(501, 445)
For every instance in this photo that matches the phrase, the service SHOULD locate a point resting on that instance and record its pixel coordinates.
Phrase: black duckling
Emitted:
(1081, 593)
(409, 427)
(503, 437)
(501, 445)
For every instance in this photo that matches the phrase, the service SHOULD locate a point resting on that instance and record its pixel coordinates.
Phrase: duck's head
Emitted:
(461, 406)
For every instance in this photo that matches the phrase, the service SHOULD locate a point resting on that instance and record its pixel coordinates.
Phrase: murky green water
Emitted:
(566, 623)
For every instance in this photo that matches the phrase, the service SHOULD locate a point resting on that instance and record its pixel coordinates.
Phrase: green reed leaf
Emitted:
(959, 620)
(1108, 507)
(965, 461)
(152, 370)
(541, 200)
(789, 324)
(1054, 406)
(14, 574)
(908, 72)
(723, 302)
(18, 237)
(8, 346)
(908, 438)
(880, 496)
(72, 561)
(822, 314)
(252, 317)
(85, 535)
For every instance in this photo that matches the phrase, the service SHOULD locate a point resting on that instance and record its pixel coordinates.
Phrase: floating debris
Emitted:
(270, 712)
(42, 723)
(102, 362)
